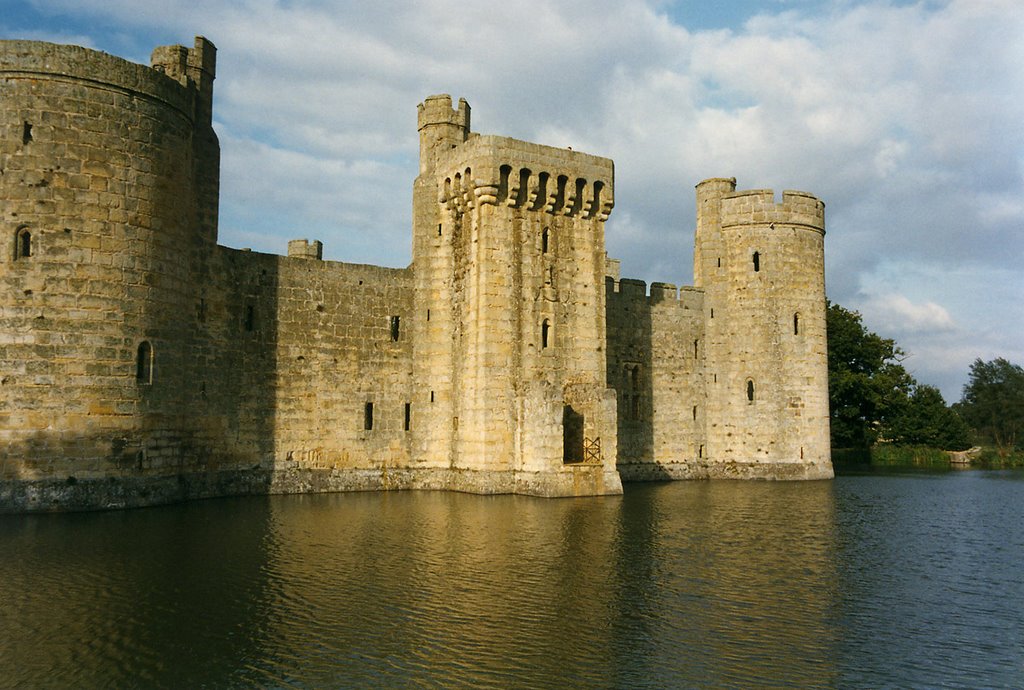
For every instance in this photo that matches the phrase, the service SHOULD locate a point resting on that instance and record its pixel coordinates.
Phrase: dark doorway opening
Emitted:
(572, 435)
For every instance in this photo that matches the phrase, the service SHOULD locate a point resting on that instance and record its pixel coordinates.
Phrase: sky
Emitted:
(905, 118)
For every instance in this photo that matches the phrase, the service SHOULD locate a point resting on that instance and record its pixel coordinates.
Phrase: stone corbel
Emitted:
(607, 204)
(570, 197)
(486, 193)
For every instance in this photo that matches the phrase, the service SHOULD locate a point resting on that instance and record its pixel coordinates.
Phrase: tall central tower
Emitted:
(509, 255)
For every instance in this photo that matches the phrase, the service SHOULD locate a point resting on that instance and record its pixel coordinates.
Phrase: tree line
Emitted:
(873, 399)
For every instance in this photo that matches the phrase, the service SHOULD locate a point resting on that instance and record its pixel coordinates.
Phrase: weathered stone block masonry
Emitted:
(142, 363)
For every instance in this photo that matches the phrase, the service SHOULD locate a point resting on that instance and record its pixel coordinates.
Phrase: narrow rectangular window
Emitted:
(250, 318)
(394, 329)
(144, 363)
(368, 417)
(408, 415)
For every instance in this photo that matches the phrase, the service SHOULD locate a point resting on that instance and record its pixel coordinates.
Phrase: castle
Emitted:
(142, 363)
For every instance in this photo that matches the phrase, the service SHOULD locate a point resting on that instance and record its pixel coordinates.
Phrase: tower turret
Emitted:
(441, 128)
(761, 264)
(708, 248)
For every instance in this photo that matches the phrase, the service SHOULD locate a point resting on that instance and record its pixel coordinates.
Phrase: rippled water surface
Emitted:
(865, 581)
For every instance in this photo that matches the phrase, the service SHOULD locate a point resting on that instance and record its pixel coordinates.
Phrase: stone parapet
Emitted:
(304, 249)
(499, 170)
(35, 59)
(635, 290)
(757, 206)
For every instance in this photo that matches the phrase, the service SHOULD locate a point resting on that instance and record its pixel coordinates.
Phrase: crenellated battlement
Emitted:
(437, 110)
(636, 290)
(441, 128)
(187, 65)
(758, 207)
(664, 292)
(304, 249)
(517, 174)
(194, 68)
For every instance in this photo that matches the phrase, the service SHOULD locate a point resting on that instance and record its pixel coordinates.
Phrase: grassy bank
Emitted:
(886, 455)
(991, 459)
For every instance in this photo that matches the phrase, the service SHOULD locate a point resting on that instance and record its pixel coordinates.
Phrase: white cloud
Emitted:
(894, 312)
(890, 156)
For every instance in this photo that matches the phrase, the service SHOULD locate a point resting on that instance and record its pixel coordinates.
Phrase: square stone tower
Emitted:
(509, 257)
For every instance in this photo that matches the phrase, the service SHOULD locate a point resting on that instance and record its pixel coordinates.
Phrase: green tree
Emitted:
(993, 402)
(926, 420)
(867, 385)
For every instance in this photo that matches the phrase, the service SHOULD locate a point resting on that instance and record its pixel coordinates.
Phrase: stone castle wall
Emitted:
(141, 363)
(656, 365)
(343, 384)
(134, 349)
(104, 231)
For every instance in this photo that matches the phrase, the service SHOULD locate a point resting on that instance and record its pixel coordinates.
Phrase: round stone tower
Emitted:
(108, 176)
(761, 264)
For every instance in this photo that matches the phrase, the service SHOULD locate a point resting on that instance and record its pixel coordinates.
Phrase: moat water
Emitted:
(900, 580)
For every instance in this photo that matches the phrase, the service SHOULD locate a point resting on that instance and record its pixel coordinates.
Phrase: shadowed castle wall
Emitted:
(656, 364)
(256, 365)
